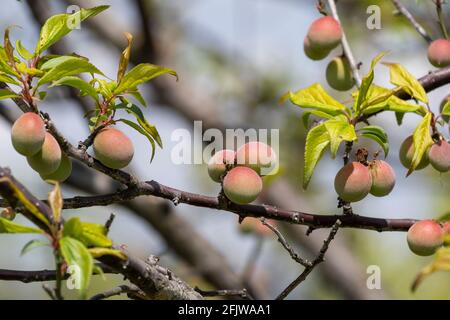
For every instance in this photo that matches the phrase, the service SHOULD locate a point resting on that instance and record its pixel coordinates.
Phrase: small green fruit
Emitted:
(242, 185)
(312, 52)
(48, 159)
(28, 134)
(353, 182)
(407, 153)
(339, 74)
(383, 178)
(62, 173)
(113, 148)
(217, 163)
(425, 237)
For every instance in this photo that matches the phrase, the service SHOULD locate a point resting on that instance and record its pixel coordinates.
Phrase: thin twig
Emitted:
(225, 293)
(129, 289)
(345, 45)
(420, 30)
(50, 291)
(286, 245)
(441, 18)
(109, 222)
(320, 258)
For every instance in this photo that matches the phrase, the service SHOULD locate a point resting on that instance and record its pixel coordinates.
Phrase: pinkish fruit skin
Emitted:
(312, 52)
(242, 185)
(62, 173)
(439, 155)
(439, 53)
(28, 134)
(113, 148)
(217, 163)
(407, 153)
(257, 156)
(446, 227)
(383, 178)
(353, 182)
(48, 159)
(425, 237)
(325, 33)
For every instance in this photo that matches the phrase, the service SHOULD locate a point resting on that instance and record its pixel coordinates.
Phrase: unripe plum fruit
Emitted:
(242, 185)
(325, 33)
(446, 99)
(383, 178)
(62, 173)
(257, 156)
(439, 53)
(312, 52)
(339, 74)
(407, 153)
(28, 134)
(48, 159)
(425, 237)
(353, 182)
(439, 155)
(113, 148)
(217, 163)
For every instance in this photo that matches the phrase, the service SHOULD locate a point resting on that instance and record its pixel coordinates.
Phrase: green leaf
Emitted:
(306, 115)
(67, 66)
(137, 112)
(76, 254)
(315, 97)
(23, 52)
(32, 244)
(7, 226)
(7, 94)
(137, 95)
(316, 143)
(58, 26)
(75, 82)
(444, 218)
(100, 252)
(377, 134)
(422, 141)
(105, 88)
(143, 132)
(441, 262)
(4, 66)
(338, 131)
(402, 78)
(366, 82)
(9, 49)
(446, 109)
(124, 58)
(141, 73)
(90, 234)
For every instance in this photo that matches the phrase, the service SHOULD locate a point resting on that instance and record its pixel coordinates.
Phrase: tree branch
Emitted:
(402, 9)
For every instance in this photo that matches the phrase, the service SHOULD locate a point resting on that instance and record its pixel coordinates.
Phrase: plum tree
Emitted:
(113, 148)
(439, 53)
(312, 52)
(325, 33)
(424, 237)
(353, 182)
(407, 152)
(383, 178)
(48, 158)
(242, 185)
(256, 155)
(339, 75)
(28, 134)
(439, 155)
(217, 163)
(62, 173)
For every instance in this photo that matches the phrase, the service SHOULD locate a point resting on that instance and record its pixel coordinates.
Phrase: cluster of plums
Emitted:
(438, 155)
(30, 138)
(43, 152)
(356, 180)
(324, 35)
(240, 172)
(426, 236)
(439, 53)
